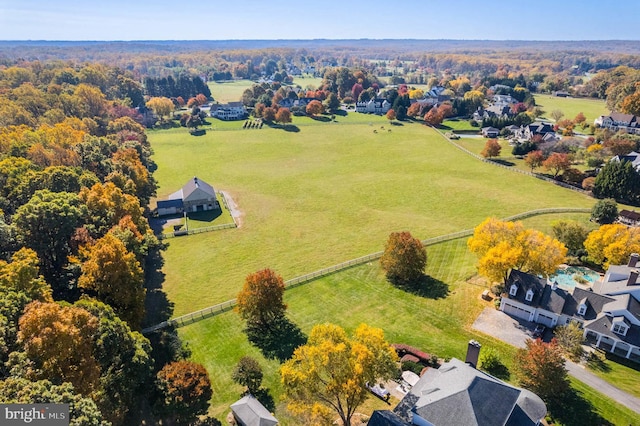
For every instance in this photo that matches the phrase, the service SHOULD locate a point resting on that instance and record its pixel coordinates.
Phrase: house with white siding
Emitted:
(195, 196)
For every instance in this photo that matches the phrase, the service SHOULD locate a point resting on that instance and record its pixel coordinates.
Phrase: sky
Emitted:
(327, 19)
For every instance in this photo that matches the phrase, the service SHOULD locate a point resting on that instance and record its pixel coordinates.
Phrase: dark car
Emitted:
(539, 330)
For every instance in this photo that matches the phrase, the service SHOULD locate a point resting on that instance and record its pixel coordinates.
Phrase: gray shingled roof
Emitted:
(252, 413)
(458, 394)
(386, 418)
(194, 184)
(602, 325)
(617, 276)
(594, 306)
(526, 282)
(553, 300)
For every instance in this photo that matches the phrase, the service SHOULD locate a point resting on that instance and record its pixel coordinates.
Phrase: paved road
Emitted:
(515, 332)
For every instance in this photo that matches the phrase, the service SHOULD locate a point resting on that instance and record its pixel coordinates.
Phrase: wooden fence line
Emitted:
(297, 281)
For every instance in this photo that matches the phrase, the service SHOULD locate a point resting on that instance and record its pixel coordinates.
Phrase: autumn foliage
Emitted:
(612, 244)
(185, 391)
(404, 258)
(491, 149)
(540, 368)
(260, 301)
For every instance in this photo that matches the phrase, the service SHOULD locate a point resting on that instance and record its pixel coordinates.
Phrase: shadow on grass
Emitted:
(206, 216)
(428, 287)
(264, 396)
(158, 307)
(572, 409)
(322, 118)
(278, 340)
(340, 112)
(500, 371)
(444, 127)
(290, 128)
(596, 362)
(199, 132)
(502, 162)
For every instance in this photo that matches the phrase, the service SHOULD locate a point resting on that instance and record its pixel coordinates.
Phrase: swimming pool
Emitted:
(569, 277)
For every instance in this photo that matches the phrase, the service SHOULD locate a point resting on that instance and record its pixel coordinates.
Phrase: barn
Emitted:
(195, 196)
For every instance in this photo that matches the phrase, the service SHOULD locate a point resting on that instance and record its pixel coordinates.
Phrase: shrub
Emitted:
(412, 366)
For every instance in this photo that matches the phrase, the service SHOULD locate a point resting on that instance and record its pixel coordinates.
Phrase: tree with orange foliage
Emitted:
(534, 159)
(283, 116)
(314, 108)
(260, 302)
(540, 368)
(269, 114)
(433, 117)
(107, 205)
(491, 149)
(185, 391)
(59, 341)
(404, 259)
(391, 115)
(558, 162)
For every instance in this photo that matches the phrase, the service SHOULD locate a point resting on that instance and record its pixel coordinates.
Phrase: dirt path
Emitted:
(236, 213)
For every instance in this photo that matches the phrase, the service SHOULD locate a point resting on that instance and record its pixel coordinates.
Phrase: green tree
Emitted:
(604, 211)
(330, 372)
(46, 224)
(556, 114)
(332, 103)
(248, 373)
(404, 259)
(540, 368)
(618, 180)
(185, 390)
(572, 234)
(82, 411)
(570, 338)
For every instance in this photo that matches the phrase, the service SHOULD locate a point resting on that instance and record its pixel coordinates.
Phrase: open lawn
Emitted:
(591, 108)
(330, 192)
(458, 126)
(229, 91)
(439, 324)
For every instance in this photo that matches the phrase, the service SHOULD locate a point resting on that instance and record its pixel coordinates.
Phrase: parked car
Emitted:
(539, 330)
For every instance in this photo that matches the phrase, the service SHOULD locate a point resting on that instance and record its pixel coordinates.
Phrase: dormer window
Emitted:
(529, 296)
(513, 290)
(619, 326)
(582, 309)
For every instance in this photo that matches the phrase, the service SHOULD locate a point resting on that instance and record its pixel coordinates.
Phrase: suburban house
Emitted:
(290, 103)
(458, 394)
(618, 121)
(545, 130)
(490, 132)
(494, 111)
(629, 218)
(230, 111)
(195, 196)
(248, 411)
(633, 157)
(609, 313)
(373, 106)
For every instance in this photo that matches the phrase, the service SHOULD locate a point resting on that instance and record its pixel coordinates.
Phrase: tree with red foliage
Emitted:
(414, 109)
(356, 90)
(185, 391)
(283, 116)
(518, 108)
(558, 162)
(540, 368)
(433, 117)
(534, 159)
(269, 114)
(391, 115)
(315, 108)
(260, 301)
(491, 149)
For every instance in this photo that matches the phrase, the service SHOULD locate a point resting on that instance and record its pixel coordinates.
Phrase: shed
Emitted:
(248, 411)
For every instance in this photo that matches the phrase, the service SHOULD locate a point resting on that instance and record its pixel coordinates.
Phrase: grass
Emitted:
(199, 219)
(328, 193)
(620, 372)
(458, 126)
(591, 108)
(440, 326)
(604, 406)
(229, 91)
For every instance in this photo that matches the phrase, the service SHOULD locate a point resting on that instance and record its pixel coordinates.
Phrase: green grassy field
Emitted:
(591, 108)
(326, 194)
(230, 91)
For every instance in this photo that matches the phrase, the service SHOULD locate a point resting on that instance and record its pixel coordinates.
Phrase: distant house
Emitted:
(633, 157)
(628, 217)
(230, 111)
(458, 394)
(373, 106)
(609, 313)
(561, 94)
(545, 130)
(504, 99)
(618, 121)
(291, 103)
(196, 195)
(490, 132)
(248, 411)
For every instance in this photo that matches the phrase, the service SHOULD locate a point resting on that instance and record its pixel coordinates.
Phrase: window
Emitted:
(582, 309)
(513, 290)
(620, 329)
(529, 295)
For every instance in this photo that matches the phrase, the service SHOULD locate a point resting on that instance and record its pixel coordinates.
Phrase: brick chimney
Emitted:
(473, 352)
(633, 278)
(633, 260)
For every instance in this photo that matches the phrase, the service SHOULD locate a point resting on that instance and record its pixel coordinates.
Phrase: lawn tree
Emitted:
(161, 106)
(184, 392)
(260, 302)
(556, 114)
(557, 162)
(540, 368)
(572, 234)
(491, 149)
(534, 159)
(570, 338)
(404, 259)
(283, 116)
(331, 371)
(612, 244)
(248, 373)
(619, 180)
(391, 115)
(314, 108)
(502, 246)
(269, 114)
(332, 103)
(605, 211)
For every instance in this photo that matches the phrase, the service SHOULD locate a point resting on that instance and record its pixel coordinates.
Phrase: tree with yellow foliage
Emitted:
(330, 373)
(23, 275)
(503, 246)
(612, 244)
(161, 106)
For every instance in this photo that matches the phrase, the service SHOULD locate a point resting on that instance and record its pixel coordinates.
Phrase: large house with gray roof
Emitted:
(459, 394)
(632, 157)
(618, 121)
(195, 196)
(609, 312)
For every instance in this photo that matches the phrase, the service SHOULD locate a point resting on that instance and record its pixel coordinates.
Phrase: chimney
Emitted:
(473, 352)
(195, 180)
(633, 278)
(633, 260)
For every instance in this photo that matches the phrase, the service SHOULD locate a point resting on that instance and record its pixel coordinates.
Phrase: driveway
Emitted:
(515, 332)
